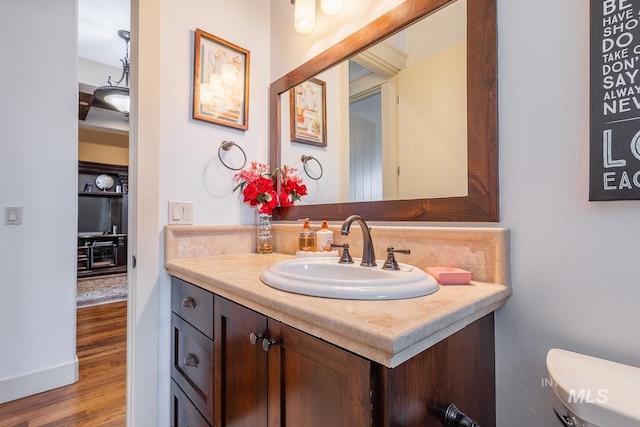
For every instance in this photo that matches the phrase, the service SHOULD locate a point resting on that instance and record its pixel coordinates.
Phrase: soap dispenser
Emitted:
(307, 237)
(324, 237)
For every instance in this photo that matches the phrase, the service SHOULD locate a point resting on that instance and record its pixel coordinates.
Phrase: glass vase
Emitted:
(264, 238)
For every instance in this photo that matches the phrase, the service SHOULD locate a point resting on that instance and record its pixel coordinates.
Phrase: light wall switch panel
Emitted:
(180, 213)
(187, 213)
(176, 212)
(13, 215)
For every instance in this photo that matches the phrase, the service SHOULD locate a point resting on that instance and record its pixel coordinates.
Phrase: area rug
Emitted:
(101, 289)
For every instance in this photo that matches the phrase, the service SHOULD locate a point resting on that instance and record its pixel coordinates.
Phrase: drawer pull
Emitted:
(191, 360)
(189, 302)
(267, 343)
(254, 338)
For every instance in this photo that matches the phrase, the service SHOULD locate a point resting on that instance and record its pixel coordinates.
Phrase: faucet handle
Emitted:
(345, 258)
(391, 263)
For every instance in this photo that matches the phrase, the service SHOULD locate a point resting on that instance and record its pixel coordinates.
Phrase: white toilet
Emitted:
(595, 392)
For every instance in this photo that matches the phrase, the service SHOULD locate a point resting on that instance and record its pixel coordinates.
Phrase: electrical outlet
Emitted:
(13, 215)
(180, 213)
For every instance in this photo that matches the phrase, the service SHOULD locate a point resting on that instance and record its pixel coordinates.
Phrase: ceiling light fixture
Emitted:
(304, 15)
(331, 7)
(113, 94)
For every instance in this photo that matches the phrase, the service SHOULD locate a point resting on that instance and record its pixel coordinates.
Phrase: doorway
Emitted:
(103, 168)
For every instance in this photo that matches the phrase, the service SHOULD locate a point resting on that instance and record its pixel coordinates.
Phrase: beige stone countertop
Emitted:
(388, 332)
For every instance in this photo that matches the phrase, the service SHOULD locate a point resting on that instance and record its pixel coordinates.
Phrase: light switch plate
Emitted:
(180, 213)
(13, 215)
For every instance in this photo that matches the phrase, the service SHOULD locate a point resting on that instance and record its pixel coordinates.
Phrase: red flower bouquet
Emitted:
(291, 187)
(256, 184)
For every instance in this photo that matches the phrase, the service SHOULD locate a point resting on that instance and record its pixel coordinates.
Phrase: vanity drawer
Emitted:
(192, 364)
(183, 413)
(193, 304)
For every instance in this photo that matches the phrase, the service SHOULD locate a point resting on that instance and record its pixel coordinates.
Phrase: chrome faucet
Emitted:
(368, 255)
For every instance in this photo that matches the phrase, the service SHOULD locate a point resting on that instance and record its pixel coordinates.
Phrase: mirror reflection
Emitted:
(481, 202)
(396, 118)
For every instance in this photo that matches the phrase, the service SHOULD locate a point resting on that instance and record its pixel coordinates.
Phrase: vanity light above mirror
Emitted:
(481, 201)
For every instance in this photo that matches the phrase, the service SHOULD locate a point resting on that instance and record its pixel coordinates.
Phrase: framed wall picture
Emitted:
(308, 113)
(221, 82)
(614, 147)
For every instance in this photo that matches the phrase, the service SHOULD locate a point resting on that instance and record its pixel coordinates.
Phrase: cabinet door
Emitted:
(315, 384)
(459, 369)
(240, 375)
(183, 413)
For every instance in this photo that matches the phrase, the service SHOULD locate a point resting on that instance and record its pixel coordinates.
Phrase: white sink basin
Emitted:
(325, 277)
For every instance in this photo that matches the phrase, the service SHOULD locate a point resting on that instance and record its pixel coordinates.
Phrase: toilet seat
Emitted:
(597, 391)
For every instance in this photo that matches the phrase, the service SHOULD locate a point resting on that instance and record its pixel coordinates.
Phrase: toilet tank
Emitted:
(597, 391)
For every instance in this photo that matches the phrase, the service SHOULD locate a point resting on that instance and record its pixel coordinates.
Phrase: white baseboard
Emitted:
(37, 382)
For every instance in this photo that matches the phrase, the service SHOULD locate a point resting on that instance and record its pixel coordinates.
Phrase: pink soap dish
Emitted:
(450, 275)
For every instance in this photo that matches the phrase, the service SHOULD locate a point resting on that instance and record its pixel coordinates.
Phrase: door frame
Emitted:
(144, 216)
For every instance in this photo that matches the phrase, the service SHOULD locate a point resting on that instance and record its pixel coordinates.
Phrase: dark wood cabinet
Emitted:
(313, 383)
(266, 373)
(459, 369)
(183, 413)
(102, 254)
(102, 220)
(192, 364)
(269, 374)
(100, 210)
(192, 357)
(240, 374)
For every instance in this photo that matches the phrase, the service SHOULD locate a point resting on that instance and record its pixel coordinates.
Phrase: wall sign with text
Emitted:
(615, 100)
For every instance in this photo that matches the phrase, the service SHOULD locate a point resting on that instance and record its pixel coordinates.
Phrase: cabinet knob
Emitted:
(267, 343)
(254, 338)
(191, 360)
(189, 302)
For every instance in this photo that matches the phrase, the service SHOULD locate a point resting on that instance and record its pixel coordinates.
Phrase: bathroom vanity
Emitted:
(247, 354)
(259, 356)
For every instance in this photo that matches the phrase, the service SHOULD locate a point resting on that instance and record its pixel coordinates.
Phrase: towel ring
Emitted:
(226, 146)
(305, 159)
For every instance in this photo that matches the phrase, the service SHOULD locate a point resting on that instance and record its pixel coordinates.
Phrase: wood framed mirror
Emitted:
(481, 203)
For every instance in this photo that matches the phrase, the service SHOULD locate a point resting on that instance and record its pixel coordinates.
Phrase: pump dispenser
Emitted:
(307, 237)
(324, 237)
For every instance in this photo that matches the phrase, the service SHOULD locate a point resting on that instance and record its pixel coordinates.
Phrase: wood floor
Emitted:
(99, 397)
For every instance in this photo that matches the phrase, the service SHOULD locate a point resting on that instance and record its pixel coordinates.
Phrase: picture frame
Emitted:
(308, 113)
(221, 81)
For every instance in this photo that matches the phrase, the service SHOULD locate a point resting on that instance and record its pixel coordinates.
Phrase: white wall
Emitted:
(38, 168)
(190, 169)
(575, 264)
